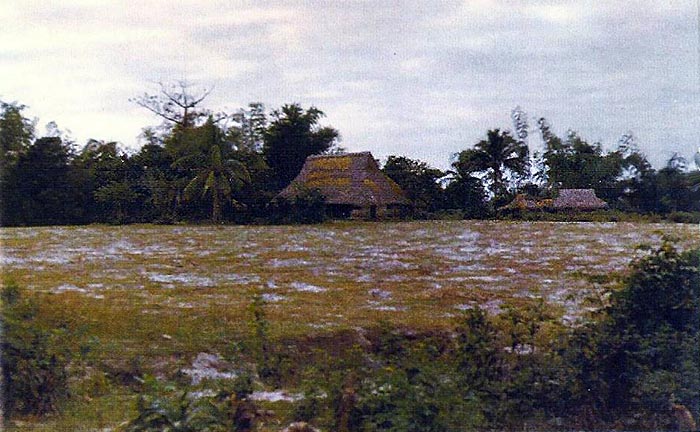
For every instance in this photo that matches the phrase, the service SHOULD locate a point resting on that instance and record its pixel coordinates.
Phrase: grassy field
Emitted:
(162, 294)
(136, 283)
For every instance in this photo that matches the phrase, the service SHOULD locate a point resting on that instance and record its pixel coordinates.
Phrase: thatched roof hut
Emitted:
(578, 199)
(349, 182)
(568, 199)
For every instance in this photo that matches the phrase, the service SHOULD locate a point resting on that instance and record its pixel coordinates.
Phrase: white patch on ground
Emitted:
(471, 267)
(272, 298)
(20, 233)
(304, 287)
(520, 349)
(6, 260)
(239, 279)
(493, 306)
(486, 278)
(208, 367)
(182, 278)
(118, 249)
(377, 306)
(201, 394)
(469, 236)
(276, 396)
(293, 248)
(380, 294)
(49, 258)
(323, 325)
(68, 287)
(289, 262)
(385, 308)
(365, 278)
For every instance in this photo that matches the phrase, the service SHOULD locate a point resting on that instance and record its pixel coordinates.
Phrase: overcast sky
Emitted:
(424, 79)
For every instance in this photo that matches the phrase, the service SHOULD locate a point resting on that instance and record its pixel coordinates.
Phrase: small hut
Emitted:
(567, 200)
(578, 199)
(352, 184)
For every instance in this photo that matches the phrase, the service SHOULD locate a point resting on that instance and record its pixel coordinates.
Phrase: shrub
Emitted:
(307, 207)
(646, 351)
(420, 397)
(310, 406)
(684, 217)
(163, 407)
(34, 358)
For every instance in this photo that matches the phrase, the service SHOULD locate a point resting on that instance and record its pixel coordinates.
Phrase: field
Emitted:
(150, 280)
(167, 293)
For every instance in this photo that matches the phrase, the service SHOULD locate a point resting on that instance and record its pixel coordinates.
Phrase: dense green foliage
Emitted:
(496, 157)
(418, 180)
(648, 346)
(34, 359)
(200, 165)
(165, 408)
(292, 136)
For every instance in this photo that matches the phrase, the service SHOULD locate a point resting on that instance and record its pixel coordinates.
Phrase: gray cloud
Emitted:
(424, 79)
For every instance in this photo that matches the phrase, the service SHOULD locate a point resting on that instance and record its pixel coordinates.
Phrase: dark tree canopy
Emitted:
(418, 180)
(200, 164)
(467, 194)
(45, 181)
(573, 163)
(292, 136)
(496, 156)
(16, 131)
(16, 134)
(209, 167)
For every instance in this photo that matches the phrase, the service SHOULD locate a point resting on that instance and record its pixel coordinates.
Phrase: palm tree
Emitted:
(494, 156)
(217, 178)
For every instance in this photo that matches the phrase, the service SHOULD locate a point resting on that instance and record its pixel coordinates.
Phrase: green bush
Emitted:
(310, 407)
(35, 359)
(307, 207)
(163, 407)
(644, 356)
(420, 398)
(684, 217)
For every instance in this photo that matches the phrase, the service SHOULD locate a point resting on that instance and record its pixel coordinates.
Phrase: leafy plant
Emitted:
(643, 356)
(164, 408)
(34, 359)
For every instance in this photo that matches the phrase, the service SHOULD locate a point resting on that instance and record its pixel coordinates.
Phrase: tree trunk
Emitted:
(216, 208)
(498, 189)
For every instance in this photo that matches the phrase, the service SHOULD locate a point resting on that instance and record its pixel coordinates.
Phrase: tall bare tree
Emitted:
(177, 103)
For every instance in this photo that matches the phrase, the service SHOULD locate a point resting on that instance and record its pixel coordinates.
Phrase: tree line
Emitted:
(201, 165)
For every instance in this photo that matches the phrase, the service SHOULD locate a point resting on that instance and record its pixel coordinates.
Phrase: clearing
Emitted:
(135, 284)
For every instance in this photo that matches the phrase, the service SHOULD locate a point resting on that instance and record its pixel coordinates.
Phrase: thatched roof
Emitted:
(578, 199)
(349, 179)
(525, 202)
(572, 199)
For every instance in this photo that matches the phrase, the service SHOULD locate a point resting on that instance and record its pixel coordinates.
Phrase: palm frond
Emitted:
(210, 182)
(194, 185)
(694, 180)
(187, 162)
